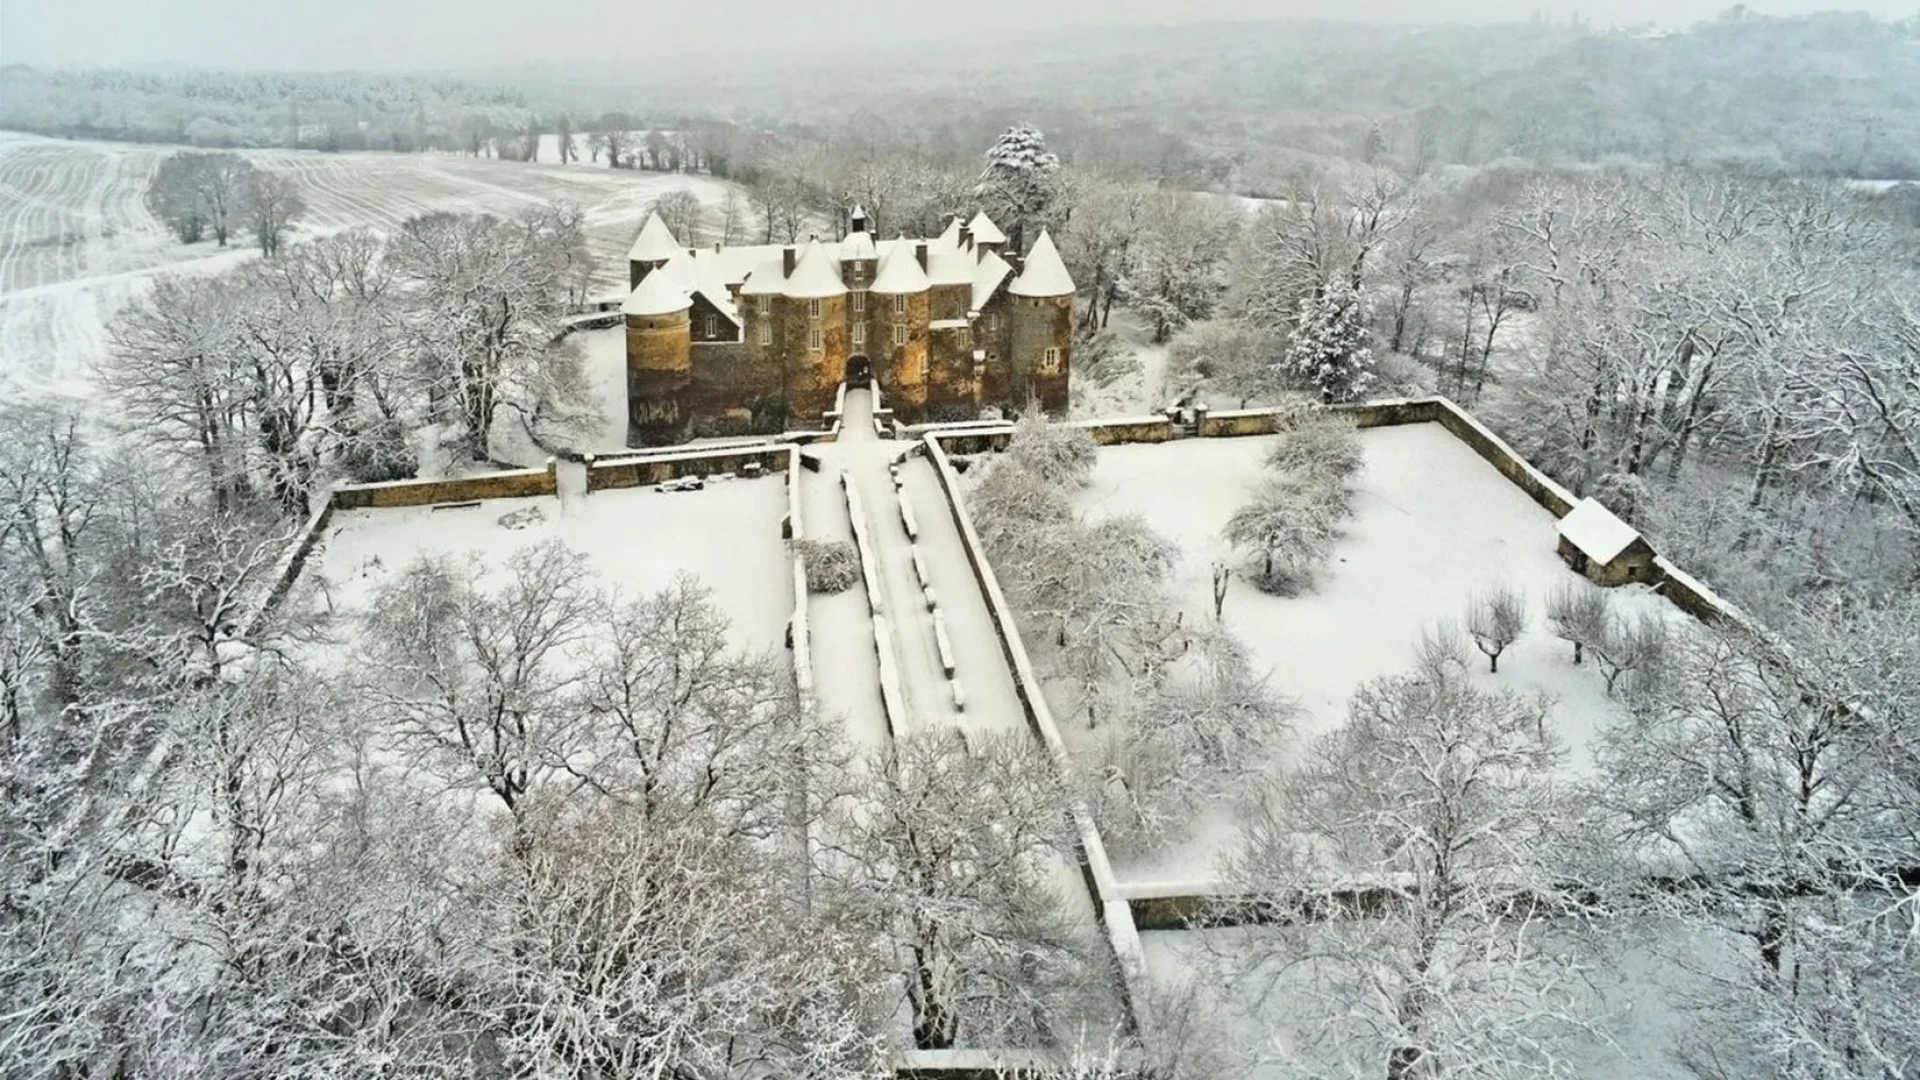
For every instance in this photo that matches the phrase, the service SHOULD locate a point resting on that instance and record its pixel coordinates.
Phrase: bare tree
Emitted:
(682, 212)
(1495, 620)
(1288, 527)
(1578, 613)
(272, 203)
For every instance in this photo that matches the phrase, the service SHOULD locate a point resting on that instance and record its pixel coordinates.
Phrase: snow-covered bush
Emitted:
(378, 454)
(1055, 455)
(832, 565)
(1322, 449)
(1289, 528)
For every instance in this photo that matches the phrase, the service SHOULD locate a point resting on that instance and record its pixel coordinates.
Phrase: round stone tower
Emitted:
(1042, 330)
(659, 360)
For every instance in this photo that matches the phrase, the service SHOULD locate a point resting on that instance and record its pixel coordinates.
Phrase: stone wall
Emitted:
(512, 484)
(292, 564)
(645, 470)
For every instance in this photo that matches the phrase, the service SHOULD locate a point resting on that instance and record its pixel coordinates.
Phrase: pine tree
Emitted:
(1329, 351)
(1021, 181)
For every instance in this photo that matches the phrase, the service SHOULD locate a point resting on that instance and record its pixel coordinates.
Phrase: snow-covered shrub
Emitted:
(832, 565)
(379, 453)
(1288, 528)
(1056, 455)
(1322, 449)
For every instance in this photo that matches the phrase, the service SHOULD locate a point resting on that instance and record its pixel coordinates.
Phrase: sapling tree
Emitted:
(1578, 613)
(1495, 620)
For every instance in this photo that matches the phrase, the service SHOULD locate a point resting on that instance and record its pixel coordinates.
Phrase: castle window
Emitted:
(899, 333)
(993, 323)
(709, 327)
(899, 304)
(813, 309)
(766, 333)
(860, 301)
(813, 339)
(1050, 361)
(859, 331)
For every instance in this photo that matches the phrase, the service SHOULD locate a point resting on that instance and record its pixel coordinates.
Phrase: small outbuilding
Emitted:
(1603, 548)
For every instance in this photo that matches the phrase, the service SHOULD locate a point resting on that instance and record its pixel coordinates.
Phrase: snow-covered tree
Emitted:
(951, 849)
(1021, 182)
(1329, 352)
(1420, 922)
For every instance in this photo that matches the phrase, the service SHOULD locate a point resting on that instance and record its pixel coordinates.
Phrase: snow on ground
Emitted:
(1433, 525)
(846, 673)
(1641, 983)
(728, 536)
(77, 243)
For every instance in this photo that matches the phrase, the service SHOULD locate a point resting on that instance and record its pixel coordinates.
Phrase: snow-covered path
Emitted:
(991, 701)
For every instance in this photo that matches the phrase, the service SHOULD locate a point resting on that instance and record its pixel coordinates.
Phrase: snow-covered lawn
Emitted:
(728, 536)
(1433, 525)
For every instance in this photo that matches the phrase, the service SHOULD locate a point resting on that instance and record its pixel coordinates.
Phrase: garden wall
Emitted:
(643, 470)
(510, 484)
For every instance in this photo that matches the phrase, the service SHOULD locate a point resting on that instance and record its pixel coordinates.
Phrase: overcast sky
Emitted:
(396, 34)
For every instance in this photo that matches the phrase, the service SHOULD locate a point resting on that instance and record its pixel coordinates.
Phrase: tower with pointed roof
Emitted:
(734, 340)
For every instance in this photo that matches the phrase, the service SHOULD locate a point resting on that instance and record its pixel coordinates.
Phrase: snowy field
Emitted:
(1433, 524)
(728, 536)
(77, 243)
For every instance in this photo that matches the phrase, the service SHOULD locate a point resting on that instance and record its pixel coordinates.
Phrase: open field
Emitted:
(77, 242)
(1433, 525)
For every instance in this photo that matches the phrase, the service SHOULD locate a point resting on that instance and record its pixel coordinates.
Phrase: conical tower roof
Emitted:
(816, 274)
(984, 231)
(656, 241)
(900, 271)
(657, 294)
(1045, 273)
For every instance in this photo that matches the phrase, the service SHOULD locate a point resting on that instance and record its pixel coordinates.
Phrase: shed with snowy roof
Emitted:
(1603, 548)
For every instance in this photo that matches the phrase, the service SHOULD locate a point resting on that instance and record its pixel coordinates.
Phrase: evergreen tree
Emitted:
(1329, 351)
(1021, 181)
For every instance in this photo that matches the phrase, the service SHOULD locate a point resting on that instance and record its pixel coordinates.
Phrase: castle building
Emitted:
(737, 340)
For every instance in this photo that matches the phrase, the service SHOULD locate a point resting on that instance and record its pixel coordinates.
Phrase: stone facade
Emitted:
(728, 341)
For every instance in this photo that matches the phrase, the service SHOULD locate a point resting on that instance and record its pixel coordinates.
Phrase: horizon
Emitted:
(361, 36)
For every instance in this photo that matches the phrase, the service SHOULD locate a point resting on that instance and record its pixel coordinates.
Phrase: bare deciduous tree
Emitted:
(1495, 620)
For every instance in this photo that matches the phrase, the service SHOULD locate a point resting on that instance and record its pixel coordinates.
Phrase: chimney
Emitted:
(716, 247)
(920, 253)
(786, 261)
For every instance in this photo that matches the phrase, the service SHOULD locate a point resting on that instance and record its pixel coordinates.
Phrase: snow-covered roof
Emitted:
(655, 242)
(816, 274)
(900, 271)
(947, 324)
(767, 277)
(1596, 532)
(1045, 273)
(984, 231)
(657, 294)
(950, 238)
(858, 246)
(987, 277)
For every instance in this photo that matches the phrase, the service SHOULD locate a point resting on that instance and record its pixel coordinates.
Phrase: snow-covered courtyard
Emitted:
(1433, 526)
(727, 536)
